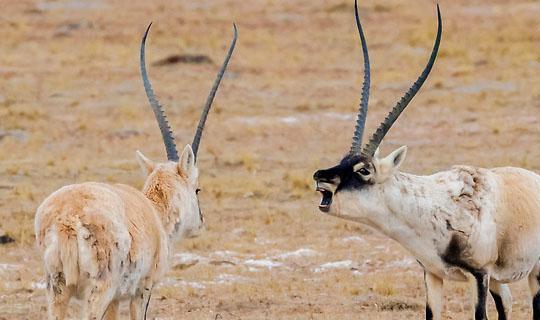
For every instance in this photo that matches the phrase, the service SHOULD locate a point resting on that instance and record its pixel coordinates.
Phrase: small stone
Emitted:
(4, 238)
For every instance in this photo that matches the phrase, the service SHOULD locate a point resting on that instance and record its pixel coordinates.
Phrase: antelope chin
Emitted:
(326, 200)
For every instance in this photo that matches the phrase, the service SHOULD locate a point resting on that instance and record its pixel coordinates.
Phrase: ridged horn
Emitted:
(164, 127)
(211, 95)
(383, 128)
(363, 109)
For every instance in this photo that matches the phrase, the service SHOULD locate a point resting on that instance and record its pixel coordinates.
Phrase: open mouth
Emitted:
(326, 200)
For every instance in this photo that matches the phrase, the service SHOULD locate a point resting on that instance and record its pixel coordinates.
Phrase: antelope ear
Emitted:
(186, 164)
(146, 164)
(386, 167)
(396, 158)
(377, 153)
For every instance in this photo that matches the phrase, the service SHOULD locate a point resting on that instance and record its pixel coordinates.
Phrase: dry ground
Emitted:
(73, 109)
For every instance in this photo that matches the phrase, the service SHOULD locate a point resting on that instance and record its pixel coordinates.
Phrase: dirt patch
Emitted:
(73, 109)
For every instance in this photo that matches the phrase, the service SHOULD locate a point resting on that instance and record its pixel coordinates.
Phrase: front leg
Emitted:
(434, 286)
(502, 297)
(481, 279)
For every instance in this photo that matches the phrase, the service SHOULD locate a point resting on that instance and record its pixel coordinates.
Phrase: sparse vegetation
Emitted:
(72, 109)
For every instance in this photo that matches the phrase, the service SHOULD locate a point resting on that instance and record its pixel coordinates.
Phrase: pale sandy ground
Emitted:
(72, 109)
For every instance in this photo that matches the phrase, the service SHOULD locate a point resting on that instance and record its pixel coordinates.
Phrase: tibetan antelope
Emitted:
(106, 243)
(464, 223)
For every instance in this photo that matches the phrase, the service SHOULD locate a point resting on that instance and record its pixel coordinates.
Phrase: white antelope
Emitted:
(106, 243)
(466, 222)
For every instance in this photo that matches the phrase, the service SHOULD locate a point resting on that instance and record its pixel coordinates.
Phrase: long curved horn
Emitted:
(362, 112)
(211, 95)
(164, 127)
(369, 149)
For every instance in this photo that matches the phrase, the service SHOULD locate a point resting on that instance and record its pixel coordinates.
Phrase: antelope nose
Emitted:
(317, 175)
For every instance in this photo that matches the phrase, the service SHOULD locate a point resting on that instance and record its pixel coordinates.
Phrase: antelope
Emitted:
(466, 223)
(105, 243)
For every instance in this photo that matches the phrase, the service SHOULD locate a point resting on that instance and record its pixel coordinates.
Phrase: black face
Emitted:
(353, 172)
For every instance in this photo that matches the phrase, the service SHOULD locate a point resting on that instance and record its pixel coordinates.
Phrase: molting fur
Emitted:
(463, 223)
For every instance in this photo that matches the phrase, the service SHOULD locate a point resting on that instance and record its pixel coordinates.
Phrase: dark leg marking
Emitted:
(536, 306)
(429, 313)
(147, 302)
(452, 256)
(481, 286)
(499, 305)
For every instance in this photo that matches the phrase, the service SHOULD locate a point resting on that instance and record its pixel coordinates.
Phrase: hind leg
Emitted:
(502, 297)
(481, 285)
(58, 295)
(98, 297)
(140, 302)
(112, 312)
(534, 287)
(434, 287)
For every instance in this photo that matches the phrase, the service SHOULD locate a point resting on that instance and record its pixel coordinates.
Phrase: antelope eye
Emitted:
(197, 191)
(364, 172)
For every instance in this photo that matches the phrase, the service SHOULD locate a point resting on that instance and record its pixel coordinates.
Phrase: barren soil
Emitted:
(73, 109)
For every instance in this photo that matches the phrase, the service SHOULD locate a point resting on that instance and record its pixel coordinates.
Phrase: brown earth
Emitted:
(73, 109)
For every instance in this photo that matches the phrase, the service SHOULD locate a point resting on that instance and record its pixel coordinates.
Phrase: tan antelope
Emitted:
(466, 222)
(104, 243)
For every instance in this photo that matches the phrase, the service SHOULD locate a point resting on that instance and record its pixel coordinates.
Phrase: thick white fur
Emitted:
(106, 243)
(496, 212)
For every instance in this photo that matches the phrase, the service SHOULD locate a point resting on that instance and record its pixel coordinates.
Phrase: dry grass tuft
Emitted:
(73, 109)
(384, 288)
(20, 227)
(300, 182)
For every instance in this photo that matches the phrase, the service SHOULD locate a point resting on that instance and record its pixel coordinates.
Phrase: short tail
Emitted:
(69, 257)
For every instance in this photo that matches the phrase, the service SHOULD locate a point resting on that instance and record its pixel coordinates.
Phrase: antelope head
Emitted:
(362, 171)
(173, 185)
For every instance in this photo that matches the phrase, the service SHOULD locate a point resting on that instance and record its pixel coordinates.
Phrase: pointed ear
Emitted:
(146, 164)
(186, 164)
(387, 166)
(377, 153)
(396, 158)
